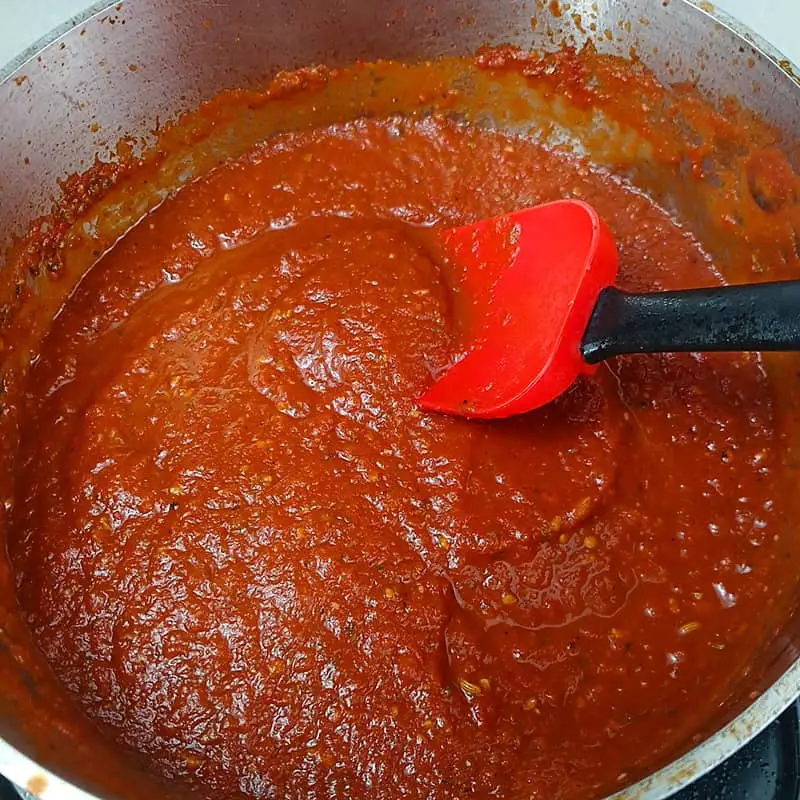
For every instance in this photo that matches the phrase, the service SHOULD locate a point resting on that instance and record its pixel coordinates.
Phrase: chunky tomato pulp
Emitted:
(255, 561)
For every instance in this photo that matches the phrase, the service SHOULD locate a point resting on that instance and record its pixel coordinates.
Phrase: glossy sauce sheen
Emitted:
(256, 562)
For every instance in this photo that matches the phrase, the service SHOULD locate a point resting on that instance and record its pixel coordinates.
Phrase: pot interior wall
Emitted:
(131, 65)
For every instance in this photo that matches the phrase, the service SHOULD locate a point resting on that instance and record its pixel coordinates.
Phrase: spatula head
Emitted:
(527, 284)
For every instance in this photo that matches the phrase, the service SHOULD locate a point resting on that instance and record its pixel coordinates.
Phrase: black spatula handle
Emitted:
(761, 316)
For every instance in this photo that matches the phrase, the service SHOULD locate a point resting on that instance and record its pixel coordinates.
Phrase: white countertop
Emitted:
(25, 21)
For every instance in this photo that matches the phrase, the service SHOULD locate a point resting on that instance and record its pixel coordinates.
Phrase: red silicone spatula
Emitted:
(542, 310)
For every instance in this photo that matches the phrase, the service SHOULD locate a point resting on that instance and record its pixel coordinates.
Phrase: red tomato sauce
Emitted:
(254, 561)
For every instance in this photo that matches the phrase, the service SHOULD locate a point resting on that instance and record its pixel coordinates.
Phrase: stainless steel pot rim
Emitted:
(29, 53)
(103, 6)
(26, 773)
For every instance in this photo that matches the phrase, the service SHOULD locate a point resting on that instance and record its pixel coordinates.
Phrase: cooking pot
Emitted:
(123, 67)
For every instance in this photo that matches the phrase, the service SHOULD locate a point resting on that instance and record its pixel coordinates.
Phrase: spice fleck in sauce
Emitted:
(252, 558)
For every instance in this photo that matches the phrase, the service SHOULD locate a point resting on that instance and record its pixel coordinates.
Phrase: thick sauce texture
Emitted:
(255, 562)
